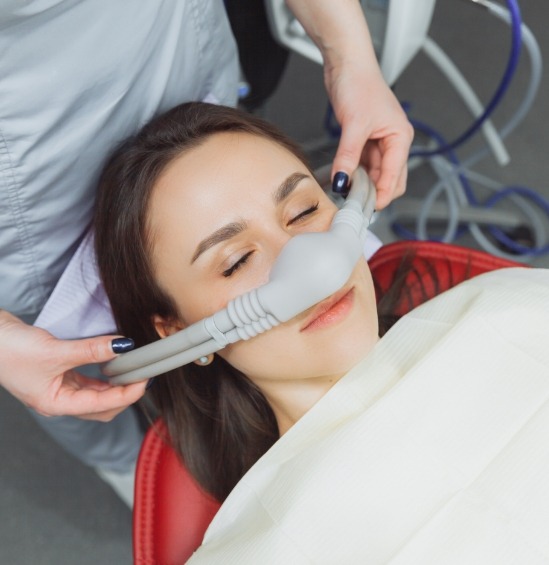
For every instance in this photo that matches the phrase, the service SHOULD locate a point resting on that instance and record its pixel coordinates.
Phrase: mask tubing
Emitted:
(164, 365)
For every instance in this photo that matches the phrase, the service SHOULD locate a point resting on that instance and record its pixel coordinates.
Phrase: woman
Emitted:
(192, 212)
(221, 250)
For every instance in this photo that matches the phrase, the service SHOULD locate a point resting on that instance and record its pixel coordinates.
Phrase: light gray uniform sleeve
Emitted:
(76, 77)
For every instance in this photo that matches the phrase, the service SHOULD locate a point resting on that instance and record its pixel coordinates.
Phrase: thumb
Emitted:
(92, 350)
(352, 141)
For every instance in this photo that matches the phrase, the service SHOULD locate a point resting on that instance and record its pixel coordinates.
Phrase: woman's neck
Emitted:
(290, 400)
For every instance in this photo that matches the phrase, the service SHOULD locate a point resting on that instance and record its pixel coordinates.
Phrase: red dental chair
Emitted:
(171, 512)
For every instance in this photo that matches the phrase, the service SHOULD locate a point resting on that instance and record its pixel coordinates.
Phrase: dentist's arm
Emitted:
(375, 130)
(38, 369)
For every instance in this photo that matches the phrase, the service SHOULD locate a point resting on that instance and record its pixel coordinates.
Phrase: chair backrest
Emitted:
(171, 512)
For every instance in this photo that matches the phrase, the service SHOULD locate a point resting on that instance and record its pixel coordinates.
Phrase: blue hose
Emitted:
(398, 228)
(497, 233)
(501, 236)
(512, 63)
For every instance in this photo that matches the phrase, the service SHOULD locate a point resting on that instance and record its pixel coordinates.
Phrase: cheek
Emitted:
(289, 355)
(285, 353)
(265, 353)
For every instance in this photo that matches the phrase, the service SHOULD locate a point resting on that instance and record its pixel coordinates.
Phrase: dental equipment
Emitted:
(310, 268)
(397, 29)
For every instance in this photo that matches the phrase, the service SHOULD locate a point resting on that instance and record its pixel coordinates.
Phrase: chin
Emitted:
(342, 358)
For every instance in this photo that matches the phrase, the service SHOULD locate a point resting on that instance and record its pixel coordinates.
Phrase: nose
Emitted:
(280, 236)
(311, 267)
(278, 242)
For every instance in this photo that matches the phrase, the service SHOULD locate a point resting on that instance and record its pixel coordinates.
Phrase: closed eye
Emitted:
(303, 214)
(242, 261)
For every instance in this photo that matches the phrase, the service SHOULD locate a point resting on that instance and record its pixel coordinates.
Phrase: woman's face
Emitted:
(219, 216)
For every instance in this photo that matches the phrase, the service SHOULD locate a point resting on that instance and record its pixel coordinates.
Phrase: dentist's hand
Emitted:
(374, 129)
(38, 369)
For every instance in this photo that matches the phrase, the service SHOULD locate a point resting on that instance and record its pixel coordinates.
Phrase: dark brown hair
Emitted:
(218, 420)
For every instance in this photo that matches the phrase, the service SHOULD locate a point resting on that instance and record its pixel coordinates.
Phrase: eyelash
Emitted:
(300, 216)
(242, 261)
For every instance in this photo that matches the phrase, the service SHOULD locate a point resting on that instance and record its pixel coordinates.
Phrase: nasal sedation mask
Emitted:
(310, 268)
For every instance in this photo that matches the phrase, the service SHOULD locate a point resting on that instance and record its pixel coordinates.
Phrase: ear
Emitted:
(165, 327)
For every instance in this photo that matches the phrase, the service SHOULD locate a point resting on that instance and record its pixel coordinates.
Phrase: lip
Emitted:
(331, 310)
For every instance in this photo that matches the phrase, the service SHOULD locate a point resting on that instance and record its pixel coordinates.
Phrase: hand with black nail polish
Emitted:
(39, 370)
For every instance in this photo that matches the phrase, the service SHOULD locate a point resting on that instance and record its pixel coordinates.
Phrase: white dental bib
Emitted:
(433, 450)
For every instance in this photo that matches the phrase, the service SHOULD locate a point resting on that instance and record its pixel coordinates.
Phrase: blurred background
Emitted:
(53, 510)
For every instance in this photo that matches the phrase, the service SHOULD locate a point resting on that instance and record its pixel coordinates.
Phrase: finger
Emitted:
(371, 160)
(352, 141)
(84, 399)
(79, 381)
(90, 350)
(391, 182)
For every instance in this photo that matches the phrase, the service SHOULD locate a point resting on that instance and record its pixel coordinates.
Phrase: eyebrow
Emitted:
(222, 234)
(228, 231)
(288, 186)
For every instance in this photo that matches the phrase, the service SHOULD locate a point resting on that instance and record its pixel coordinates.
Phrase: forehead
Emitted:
(228, 153)
(225, 167)
(227, 177)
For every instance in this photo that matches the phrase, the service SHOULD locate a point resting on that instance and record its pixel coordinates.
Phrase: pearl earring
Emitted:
(205, 360)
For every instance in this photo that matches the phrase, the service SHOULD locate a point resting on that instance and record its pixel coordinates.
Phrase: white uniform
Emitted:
(76, 77)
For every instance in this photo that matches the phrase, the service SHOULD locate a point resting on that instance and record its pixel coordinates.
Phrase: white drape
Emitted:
(433, 450)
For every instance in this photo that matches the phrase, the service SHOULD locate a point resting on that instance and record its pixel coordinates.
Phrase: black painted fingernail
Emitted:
(149, 384)
(340, 183)
(122, 344)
